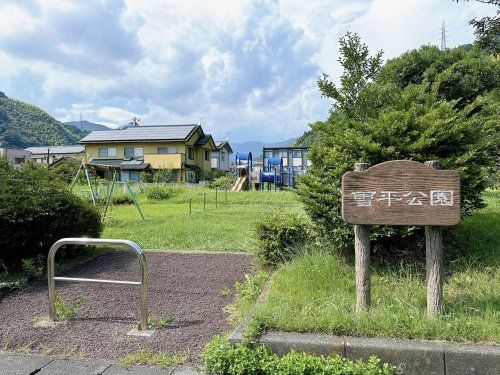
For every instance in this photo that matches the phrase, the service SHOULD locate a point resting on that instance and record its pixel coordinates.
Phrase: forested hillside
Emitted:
(24, 125)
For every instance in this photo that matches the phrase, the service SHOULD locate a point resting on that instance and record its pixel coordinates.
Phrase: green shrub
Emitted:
(221, 182)
(34, 268)
(160, 192)
(281, 236)
(164, 176)
(36, 210)
(212, 175)
(122, 199)
(224, 359)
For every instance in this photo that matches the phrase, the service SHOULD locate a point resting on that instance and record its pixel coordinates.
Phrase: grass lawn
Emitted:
(170, 226)
(316, 292)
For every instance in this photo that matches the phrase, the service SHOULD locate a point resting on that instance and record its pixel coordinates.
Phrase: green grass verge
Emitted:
(316, 291)
(169, 225)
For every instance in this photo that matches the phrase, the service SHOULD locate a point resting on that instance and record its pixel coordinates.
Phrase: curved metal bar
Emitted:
(99, 242)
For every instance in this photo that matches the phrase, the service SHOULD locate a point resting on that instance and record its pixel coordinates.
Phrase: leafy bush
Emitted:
(122, 199)
(37, 210)
(281, 236)
(221, 182)
(163, 176)
(147, 177)
(224, 359)
(212, 175)
(34, 268)
(160, 192)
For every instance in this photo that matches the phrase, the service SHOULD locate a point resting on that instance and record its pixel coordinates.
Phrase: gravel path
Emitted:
(182, 286)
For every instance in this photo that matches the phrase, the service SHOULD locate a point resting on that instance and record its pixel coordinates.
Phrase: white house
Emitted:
(221, 157)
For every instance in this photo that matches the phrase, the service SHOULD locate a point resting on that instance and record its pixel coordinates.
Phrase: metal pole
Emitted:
(75, 179)
(204, 200)
(190, 203)
(94, 242)
(135, 200)
(215, 198)
(109, 197)
(226, 196)
(90, 185)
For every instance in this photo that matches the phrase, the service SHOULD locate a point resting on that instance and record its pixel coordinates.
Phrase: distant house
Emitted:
(16, 157)
(185, 149)
(294, 157)
(50, 154)
(221, 158)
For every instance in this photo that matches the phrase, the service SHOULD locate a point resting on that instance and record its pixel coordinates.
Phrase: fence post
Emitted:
(226, 196)
(433, 262)
(362, 258)
(215, 198)
(204, 200)
(190, 203)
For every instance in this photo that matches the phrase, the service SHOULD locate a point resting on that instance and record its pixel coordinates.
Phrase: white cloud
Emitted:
(245, 67)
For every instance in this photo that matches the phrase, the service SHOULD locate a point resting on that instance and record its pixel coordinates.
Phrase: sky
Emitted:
(246, 70)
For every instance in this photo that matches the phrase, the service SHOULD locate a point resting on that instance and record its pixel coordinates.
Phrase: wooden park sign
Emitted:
(401, 192)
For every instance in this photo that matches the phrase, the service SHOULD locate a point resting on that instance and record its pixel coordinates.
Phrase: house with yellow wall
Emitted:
(185, 149)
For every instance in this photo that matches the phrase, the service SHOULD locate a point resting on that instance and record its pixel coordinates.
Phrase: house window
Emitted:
(107, 151)
(167, 150)
(133, 152)
(191, 153)
(222, 156)
(207, 155)
(19, 160)
(297, 153)
(276, 153)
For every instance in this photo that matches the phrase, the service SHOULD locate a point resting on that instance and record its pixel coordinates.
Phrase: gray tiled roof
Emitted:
(220, 144)
(142, 133)
(75, 149)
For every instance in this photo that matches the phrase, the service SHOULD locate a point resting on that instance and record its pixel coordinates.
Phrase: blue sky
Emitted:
(246, 69)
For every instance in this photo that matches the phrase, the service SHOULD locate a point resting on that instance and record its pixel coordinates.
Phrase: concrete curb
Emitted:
(410, 356)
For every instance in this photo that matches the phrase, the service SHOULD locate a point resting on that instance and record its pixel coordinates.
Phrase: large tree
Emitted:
(412, 110)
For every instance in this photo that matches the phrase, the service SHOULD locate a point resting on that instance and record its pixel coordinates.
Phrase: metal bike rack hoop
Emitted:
(98, 242)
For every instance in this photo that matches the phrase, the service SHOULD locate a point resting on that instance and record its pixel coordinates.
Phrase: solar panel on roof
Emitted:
(177, 132)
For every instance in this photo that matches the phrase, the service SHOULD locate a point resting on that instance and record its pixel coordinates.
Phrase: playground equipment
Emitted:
(244, 166)
(97, 241)
(272, 174)
(93, 192)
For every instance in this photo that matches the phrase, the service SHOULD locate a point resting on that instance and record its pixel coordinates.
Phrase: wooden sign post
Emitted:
(401, 192)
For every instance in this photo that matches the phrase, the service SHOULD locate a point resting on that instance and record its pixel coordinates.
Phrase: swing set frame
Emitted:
(85, 168)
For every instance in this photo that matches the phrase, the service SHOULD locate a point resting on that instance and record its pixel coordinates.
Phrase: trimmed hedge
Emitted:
(224, 359)
(36, 210)
(281, 236)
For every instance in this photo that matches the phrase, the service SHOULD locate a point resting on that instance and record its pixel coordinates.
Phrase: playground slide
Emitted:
(238, 184)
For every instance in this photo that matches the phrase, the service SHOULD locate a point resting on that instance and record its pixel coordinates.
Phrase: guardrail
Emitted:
(98, 242)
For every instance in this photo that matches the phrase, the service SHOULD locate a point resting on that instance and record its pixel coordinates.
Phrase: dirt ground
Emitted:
(182, 286)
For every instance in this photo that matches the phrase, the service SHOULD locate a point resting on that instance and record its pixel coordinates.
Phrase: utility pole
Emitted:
(443, 36)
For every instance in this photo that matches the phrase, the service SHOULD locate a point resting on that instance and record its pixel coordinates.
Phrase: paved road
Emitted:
(21, 364)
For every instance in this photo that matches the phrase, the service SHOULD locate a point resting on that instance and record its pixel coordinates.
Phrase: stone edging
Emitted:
(410, 356)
